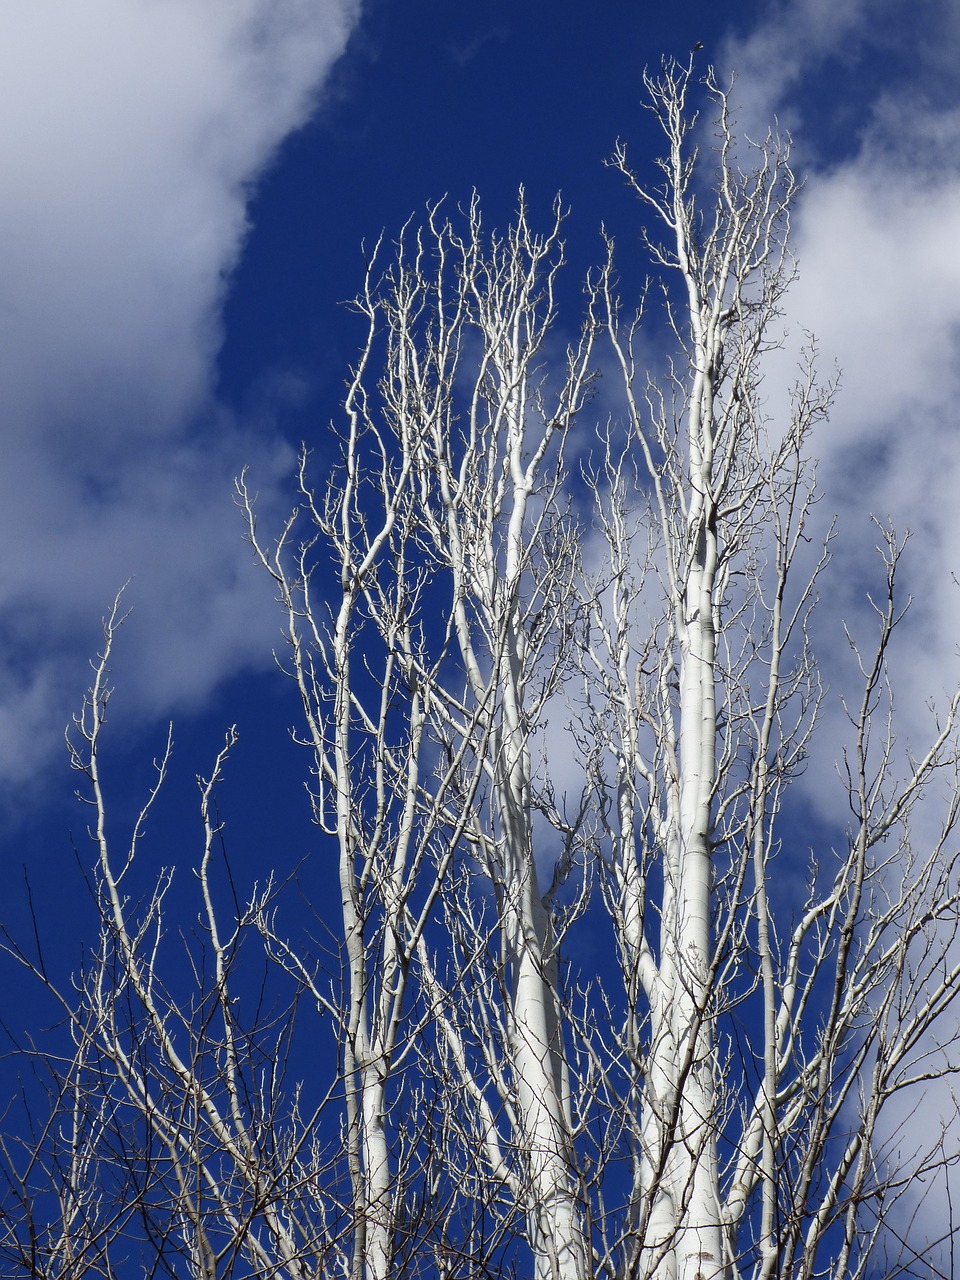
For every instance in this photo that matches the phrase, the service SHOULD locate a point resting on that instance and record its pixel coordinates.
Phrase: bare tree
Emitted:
(760, 1042)
(176, 1138)
(448, 530)
(718, 1094)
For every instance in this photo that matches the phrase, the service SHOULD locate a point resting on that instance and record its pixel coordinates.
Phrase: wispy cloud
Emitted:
(879, 283)
(131, 132)
(876, 236)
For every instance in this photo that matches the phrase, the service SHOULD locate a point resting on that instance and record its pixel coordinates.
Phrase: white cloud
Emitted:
(876, 237)
(777, 54)
(880, 286)
(130, 134)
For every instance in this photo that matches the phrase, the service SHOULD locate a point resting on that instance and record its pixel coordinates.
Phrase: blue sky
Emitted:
(187, 184)
(187, 189)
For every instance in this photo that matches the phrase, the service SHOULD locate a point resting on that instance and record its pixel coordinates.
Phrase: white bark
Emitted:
(719, 1117)
(476, 485)
(456, 500)
(704, 740)
(702, 485)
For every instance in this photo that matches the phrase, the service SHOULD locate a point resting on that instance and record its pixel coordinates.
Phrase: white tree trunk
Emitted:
(555, 1218)
(742, 1074)
(679, 1126)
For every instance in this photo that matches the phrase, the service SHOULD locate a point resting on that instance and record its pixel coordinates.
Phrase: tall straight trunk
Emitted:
(699, 1244)
(554, 1217)
(555, 1220)
(684, 1237)
(364, 1070)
